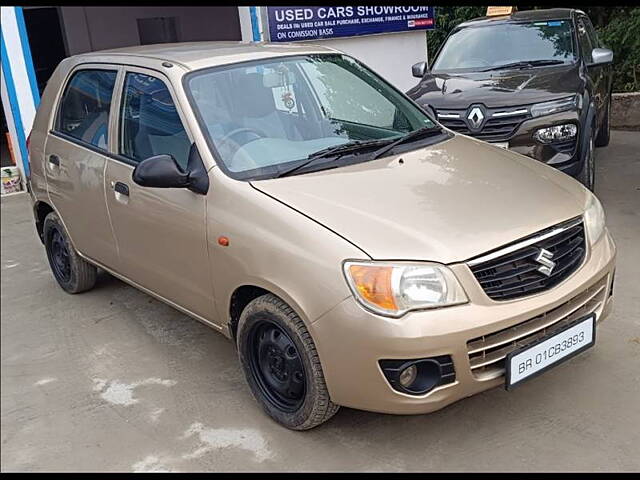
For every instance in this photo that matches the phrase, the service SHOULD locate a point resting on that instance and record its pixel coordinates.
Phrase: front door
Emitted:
(600, 73)
(161, 233)
(596, 75)
(76, 153)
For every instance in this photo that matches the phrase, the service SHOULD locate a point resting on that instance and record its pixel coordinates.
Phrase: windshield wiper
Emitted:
(421, 132)
(524, 64)
(338, 150)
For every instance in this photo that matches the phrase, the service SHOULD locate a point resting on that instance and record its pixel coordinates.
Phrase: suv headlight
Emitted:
(393, 289)
(555, 106)
(594, 220)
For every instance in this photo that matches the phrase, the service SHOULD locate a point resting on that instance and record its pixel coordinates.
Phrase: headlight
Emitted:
(557, 133)
(392, 289)
(555, 106)
(594, 218)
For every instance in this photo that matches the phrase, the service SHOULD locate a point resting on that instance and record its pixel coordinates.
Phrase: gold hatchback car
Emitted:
(356, 251)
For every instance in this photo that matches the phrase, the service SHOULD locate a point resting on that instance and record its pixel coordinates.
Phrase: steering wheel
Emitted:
(228, 138)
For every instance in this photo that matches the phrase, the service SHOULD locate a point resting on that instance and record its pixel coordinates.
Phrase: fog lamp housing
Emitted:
(557, 133)
(418, 376)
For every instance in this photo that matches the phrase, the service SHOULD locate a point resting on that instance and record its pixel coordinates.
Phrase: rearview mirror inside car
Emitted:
(419, 69)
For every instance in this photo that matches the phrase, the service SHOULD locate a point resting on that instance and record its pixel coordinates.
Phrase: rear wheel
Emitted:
(73, 273)
(281, 364)
(605, 130)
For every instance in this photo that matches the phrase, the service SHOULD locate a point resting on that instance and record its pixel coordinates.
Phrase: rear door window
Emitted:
(84, 108)
(149, 123)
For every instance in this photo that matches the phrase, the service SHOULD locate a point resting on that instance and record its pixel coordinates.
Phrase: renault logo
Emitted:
(546, 264)
(475, 118)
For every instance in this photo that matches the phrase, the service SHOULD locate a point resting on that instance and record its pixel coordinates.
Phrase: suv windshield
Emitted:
(265, 117)
(490, 46)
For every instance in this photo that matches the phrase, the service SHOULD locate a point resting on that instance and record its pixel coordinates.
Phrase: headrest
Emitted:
(255, 99)
(158, 113)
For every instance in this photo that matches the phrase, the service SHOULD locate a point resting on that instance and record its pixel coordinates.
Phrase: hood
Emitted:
(501, 88)
(445, 203)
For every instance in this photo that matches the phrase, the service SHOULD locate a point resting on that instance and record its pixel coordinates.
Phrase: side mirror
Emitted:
(601, 56)
(162, 171)
(419, 69)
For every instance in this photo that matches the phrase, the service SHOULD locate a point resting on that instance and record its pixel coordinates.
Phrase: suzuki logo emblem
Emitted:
(546, 264)
(475, 117)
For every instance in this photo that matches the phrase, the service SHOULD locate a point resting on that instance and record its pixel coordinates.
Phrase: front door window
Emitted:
(150, 124)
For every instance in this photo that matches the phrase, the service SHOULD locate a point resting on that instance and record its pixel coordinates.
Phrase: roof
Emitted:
(195, 55)
(523, 16)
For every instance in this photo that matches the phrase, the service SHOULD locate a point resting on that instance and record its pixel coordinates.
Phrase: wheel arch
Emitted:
(40, 211)
(242, 295)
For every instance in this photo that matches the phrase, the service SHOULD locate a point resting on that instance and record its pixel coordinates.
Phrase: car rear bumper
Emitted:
(351, 341)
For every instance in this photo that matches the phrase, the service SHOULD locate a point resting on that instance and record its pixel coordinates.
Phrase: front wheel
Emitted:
(604, 134)
(281, 364)
(587, 175)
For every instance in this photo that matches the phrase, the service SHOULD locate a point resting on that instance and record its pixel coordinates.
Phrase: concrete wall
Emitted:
(625, 111)
(98, 28)
(391, 55)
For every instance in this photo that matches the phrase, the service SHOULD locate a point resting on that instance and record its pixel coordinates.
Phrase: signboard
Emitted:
(291, 24)
(495, 11)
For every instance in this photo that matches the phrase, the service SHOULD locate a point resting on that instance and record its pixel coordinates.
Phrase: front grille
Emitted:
(487, 353)
(517, 273)
(494, 129)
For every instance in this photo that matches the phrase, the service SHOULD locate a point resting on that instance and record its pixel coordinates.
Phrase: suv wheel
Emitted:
(73, 273)
(587, 175)
(605, 131)
(281, 364)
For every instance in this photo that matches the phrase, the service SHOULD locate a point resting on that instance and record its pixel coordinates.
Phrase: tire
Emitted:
(73, 273)
(604, 134)
(587, 175)
(281, 364)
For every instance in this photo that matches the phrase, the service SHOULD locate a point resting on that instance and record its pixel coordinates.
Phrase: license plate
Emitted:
(540, 356)
(504, 145)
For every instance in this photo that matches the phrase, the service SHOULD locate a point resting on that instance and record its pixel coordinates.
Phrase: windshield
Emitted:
(262, 117)
(494, 45)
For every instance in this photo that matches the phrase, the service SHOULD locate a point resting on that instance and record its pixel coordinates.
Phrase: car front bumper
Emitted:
(561, 155)
(351, 341)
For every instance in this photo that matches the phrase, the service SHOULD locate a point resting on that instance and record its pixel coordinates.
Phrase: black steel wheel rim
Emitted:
(276, 366)
(59, 254)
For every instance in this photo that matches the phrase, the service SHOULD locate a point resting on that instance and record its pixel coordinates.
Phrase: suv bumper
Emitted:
(351, 341)
(562, 155)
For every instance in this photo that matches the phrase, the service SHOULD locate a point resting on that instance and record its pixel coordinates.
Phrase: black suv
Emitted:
(537, 82)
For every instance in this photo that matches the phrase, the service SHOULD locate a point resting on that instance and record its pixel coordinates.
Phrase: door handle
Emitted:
(121, 188)
(54, 160)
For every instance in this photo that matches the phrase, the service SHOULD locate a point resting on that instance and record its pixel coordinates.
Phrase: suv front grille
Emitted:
(487, 353)
(517, 272)
(498, 126)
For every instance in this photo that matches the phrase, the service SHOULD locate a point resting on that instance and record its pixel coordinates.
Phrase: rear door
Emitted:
(161, 233)
(76, 153)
